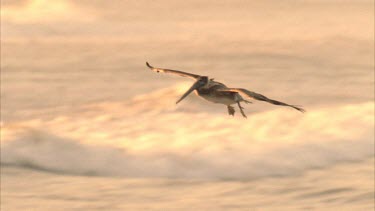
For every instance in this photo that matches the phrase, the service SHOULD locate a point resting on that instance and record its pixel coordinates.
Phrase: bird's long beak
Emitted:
(195, 86)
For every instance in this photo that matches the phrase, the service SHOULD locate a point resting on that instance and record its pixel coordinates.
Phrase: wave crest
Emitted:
(180, 145)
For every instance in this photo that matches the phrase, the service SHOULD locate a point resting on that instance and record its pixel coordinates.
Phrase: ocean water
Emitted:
(85, 125)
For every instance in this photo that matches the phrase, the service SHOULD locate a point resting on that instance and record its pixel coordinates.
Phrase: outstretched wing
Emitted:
(260, 97)
(177, 72)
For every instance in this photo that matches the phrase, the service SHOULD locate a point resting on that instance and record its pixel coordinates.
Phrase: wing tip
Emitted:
(148, 65)
(299, 108)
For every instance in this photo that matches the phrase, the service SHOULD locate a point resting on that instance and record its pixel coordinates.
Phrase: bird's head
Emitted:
(201, 82)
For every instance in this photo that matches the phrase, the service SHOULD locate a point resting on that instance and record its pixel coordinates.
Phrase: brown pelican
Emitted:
(217, 92)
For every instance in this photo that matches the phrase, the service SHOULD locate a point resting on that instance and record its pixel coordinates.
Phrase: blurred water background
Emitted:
(85, 125)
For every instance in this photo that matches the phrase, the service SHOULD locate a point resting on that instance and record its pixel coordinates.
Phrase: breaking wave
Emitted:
(145, 138)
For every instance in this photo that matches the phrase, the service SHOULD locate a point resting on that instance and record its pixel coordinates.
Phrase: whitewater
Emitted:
(147, 147)
(134, 138)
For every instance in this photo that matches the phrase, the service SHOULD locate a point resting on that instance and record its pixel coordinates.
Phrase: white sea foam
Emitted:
(139, 139)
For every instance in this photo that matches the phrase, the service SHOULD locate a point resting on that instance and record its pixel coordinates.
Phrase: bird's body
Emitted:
(217, 92)
(212, 94)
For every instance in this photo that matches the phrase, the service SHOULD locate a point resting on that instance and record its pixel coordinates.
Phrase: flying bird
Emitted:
(217, 92)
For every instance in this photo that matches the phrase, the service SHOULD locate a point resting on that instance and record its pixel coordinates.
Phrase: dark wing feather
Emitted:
(260, 97)
(177, 72)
